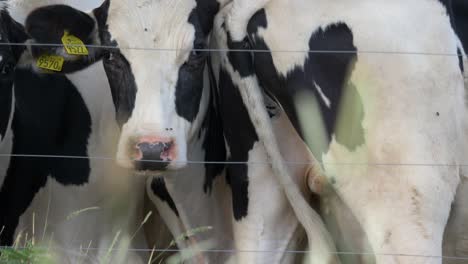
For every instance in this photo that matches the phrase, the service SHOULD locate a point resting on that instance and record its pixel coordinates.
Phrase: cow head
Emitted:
(157, 92)
(10, 32)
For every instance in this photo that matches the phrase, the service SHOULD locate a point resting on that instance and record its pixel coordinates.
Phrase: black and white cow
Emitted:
(390, 128)
(72, 202)
(162, 100)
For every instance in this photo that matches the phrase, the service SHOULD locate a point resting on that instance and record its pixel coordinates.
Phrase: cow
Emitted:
(161, 101)
(58, 187)
(389, 128)
(162, 104)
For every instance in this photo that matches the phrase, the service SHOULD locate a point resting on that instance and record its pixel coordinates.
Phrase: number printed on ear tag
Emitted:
(74, 45)
(50, 62)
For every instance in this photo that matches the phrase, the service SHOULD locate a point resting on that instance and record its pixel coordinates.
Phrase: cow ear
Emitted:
(49, 24)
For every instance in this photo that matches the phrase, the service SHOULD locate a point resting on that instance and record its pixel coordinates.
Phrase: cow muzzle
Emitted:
(154, 154)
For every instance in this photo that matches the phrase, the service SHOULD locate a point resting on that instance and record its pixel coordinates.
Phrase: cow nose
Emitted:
(153, 156)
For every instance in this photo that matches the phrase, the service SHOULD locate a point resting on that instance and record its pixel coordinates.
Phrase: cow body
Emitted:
(378, 121)
(76, 197)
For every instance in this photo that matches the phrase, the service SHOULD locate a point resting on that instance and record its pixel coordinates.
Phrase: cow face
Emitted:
(157, 92)
(10, 31)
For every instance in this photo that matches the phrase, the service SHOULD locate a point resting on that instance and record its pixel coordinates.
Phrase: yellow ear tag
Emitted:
(50, 62)
(74, 45)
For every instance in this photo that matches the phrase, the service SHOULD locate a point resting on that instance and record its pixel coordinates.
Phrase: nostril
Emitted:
(153, 155)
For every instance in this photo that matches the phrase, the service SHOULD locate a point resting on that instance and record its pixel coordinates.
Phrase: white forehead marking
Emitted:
(151, 23)
(1, 58)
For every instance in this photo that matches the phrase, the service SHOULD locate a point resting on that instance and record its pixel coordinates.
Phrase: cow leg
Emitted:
(24, 178)
(264, 223)
(159, 195)
(195, 218)
(403, 210)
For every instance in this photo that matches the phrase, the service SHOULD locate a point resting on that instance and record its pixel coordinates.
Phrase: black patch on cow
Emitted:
(158, 186)
(213, 143)
(329, 71)
(189, 85)
(51, 119)
(239, 55)
(240, 136)
(122, 83)
(460, 60)
(54, 120)
(460, 16)
(118, 70)
(207, 10)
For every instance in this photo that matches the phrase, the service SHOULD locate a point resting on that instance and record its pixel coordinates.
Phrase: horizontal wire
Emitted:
(241, 50)
(242, 251)
(237, 162)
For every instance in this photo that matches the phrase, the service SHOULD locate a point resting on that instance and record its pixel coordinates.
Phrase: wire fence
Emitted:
(52, 45)
(292, 163)
(234, 251)
(231, 251)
